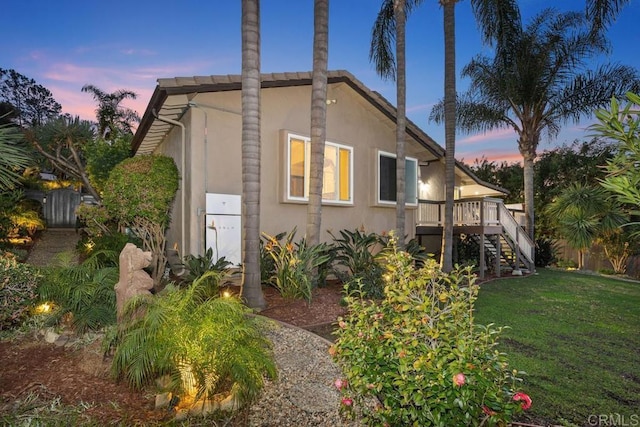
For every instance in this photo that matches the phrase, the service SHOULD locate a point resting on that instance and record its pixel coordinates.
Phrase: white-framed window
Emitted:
(337, 185)
(386, 188)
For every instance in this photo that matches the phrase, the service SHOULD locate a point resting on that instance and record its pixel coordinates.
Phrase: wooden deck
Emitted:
(487, 218)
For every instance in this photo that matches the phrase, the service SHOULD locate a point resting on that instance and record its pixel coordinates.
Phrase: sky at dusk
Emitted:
(66, 44)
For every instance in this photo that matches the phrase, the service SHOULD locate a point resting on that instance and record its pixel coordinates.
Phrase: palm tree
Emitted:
(251, 286)
(391, 24)
(535, 83)
(112, 117)
(13, 156)
(446, 257)
(495, 16)
(318, 118)
(584, 213)
(602, 12)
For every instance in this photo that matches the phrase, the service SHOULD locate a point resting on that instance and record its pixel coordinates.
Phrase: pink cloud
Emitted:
(65, 80)
(492, 155)
(498, 134)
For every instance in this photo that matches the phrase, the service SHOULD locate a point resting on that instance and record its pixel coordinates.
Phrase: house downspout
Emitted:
(183, 165)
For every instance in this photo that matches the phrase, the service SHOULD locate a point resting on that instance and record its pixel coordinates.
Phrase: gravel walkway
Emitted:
(303, 394)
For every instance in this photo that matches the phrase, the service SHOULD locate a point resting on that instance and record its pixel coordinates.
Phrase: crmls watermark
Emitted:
(614, 420)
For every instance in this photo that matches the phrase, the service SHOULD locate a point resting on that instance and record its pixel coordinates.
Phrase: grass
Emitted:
(578, 338)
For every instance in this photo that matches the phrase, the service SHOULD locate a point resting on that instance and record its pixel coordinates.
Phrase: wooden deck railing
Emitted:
(477, 212)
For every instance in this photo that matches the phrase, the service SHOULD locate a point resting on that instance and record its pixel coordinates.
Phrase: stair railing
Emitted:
(516, 233)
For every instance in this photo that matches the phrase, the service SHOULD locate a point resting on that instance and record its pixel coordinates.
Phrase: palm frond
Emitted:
(383, 36)
(14, 157)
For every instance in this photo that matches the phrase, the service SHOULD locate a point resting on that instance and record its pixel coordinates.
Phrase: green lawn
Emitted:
(577, 337)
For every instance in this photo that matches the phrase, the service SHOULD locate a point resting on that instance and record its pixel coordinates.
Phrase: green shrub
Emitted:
(188, 336)
(83, 294)
(18, 291)
(106, 244)
(567, 264)
(139, 194)
(94, 219)
(546, 251)
(19, 217)
(356, 263)
(417, 358)
(198, 265)
(295, 265)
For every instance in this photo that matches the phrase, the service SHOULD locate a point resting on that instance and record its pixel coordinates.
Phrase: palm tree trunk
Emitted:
(251, 286)
(449, 131)
(318, 118)
(401, 119)
(528, 195)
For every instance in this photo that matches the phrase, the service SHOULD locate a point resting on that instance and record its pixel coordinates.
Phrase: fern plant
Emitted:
(206, 345)
(83, 293)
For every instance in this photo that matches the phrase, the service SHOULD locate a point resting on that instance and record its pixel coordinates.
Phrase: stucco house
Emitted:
(197, 121)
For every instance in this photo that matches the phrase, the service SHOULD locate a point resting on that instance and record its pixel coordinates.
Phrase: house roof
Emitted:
(171, 99)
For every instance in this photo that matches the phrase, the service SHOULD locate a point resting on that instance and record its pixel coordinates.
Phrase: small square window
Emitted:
(387, 189)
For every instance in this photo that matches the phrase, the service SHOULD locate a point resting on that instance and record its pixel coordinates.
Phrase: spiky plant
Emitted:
(206, 345)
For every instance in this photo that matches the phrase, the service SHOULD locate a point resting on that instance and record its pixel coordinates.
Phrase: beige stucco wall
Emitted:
(214, 164)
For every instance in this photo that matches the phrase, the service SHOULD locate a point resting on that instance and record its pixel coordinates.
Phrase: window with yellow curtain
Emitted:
(337, 181)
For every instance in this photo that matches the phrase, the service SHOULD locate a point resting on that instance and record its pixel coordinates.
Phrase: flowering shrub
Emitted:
(293, 265)
(417, 358)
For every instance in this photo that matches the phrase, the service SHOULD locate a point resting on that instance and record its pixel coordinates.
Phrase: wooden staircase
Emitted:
(501, 240)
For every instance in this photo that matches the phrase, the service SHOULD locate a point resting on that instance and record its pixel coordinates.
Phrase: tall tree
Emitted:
(399, 13)
(390, 26)
(318, 118)
(602, 12)
(251, 286)
(113, 118)
(446, 257)
(62, 142)
(536, 83)
(32, 103)
(496, 15)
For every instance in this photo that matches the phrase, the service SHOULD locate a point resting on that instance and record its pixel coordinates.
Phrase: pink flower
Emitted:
(524, 399)
(340, 383)
(459, 379)
(488, 411)
(371, 386)
(332, 350)
(347, 401)
(342, 324)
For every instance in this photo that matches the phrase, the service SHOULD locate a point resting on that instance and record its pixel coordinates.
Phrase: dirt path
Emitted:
(52, 242)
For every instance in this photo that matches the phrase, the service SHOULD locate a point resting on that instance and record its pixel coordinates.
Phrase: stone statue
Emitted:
(133, 279)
